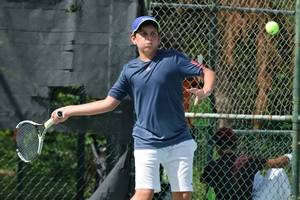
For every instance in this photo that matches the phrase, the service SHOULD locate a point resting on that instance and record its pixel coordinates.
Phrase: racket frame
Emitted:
(41, 135)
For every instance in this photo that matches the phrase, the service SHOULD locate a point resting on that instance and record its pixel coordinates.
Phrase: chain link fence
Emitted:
(75, 160)
(253, 96)
(71, 166)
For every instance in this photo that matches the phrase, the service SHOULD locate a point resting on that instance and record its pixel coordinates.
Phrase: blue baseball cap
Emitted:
(140, 20)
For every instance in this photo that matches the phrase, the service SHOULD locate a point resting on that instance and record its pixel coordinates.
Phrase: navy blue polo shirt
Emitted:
(157, 91)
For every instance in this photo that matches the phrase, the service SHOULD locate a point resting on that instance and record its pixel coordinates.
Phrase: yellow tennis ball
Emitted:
(272, 27)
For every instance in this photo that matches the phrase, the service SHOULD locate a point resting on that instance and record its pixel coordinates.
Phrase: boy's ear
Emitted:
(132, 38)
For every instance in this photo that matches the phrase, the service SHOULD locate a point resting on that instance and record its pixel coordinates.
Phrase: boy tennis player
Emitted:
(154, 82)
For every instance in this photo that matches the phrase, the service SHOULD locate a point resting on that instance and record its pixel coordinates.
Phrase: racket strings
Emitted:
(27, 141)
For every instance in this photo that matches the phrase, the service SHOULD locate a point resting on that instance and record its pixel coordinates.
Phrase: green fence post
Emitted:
(296, 130)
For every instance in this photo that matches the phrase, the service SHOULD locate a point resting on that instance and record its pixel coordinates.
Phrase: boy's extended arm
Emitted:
(92, 108)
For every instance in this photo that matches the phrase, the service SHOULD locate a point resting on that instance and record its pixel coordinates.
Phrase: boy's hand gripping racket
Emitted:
(30, 137)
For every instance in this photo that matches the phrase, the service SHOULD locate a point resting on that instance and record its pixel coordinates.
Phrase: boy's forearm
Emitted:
(93, 108)
(209, 81)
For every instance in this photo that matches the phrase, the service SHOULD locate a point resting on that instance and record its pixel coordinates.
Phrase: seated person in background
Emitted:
(272, 185)
(231, 176)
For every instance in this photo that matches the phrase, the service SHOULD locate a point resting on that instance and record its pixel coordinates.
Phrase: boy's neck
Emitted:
(146, 57)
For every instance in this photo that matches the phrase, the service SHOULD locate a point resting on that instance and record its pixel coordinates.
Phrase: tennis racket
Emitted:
(30, 137)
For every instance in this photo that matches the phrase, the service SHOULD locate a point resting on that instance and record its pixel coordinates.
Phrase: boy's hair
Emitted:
(225, 138)
(146, 23)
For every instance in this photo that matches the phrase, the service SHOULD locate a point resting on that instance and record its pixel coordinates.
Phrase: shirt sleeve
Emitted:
(289, 155)
(121, 87)
(187, 66)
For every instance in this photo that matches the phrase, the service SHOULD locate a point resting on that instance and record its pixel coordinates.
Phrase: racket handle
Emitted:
(49, 123)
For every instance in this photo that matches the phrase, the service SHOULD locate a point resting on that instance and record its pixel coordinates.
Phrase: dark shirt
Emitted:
(156, 89)
(232, 176)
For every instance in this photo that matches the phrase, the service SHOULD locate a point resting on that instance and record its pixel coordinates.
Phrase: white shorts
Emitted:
(177, 161)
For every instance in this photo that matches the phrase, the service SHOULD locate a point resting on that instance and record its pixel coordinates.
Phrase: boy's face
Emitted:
(146, 39)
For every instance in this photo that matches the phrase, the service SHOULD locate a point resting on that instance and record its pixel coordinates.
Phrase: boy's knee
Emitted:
(182, 195)
(143, 194)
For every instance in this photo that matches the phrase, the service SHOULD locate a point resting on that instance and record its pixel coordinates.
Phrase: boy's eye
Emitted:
(152, 34)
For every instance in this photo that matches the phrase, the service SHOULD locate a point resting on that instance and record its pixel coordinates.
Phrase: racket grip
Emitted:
(48, 123)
